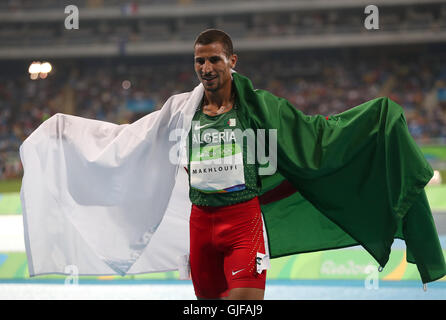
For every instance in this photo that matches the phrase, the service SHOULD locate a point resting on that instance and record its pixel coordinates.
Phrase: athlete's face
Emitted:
(213, 66)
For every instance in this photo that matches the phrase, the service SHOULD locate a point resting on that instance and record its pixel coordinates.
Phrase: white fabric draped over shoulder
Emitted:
(105, 198)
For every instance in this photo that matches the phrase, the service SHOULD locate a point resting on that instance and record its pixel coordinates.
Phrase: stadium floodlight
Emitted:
(46, 67)
(34, 68)
(37, 69)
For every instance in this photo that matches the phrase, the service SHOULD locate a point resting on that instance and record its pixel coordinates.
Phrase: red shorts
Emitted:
(224, 242)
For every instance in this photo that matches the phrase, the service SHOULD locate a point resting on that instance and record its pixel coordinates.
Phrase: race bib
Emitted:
(214, 169)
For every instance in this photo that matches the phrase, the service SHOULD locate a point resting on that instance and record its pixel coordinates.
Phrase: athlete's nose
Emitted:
(207, 67)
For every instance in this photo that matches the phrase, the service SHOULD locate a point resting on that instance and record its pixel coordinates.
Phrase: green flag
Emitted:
(354, 178)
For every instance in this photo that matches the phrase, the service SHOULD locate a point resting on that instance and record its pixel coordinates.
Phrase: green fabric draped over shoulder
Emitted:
(357, 177)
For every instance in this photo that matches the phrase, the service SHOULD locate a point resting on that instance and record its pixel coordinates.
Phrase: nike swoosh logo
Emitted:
(197, 127)
(235, 272)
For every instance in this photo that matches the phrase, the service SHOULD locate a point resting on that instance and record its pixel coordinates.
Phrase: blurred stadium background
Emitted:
(127, 57)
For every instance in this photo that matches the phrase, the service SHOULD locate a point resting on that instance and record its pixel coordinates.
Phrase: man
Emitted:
(225, 228)
(112, 199)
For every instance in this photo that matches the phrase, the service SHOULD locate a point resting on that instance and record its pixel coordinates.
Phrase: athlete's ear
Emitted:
(233, 60)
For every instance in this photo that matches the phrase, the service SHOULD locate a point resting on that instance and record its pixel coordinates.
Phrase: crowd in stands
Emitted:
(126, 30)
(15, 5)
(323, 83)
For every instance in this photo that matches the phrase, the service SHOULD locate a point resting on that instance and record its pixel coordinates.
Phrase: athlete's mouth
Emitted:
(208, 78)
